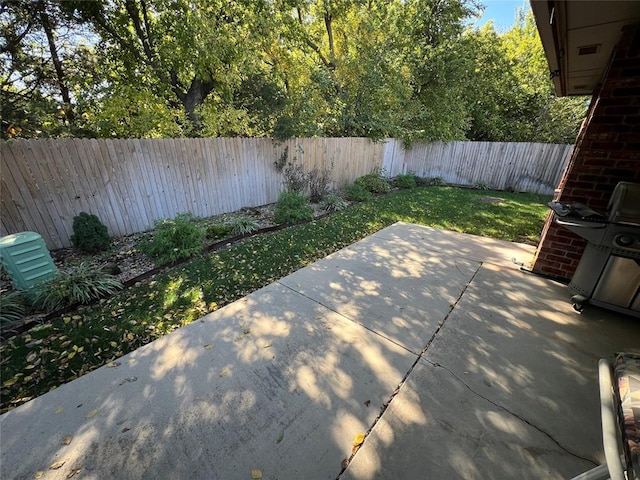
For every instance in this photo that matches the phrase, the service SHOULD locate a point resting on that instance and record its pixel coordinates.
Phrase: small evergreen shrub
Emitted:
(174, 239)
(243, 224)
(406, 181)
(292, 207)
(11, 308)
(80, 284)
(357, 193)
(217, 231)
(333, 203)
(374, 182)
(89, 233)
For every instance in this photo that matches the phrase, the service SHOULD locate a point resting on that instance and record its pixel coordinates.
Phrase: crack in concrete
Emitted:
(519, 417)
(385, 406)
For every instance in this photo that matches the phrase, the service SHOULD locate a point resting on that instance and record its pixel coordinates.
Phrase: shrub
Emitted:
(174, 239)
(406, 181)
(80, 284)
(357, 193)
(89, 233)
(217, 231)
(319, 180)
(334, 203)
(292, 207)
(481, 186)
(11, 308)
(374, 182)
(295, 179)
(436, 182)
(243, 224)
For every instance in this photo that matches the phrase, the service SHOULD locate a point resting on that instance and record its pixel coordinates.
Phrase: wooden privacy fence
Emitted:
(522, 167)
(130, 183)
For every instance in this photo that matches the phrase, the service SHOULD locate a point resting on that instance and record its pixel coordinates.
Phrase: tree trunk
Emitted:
(57, 64)
(192, 99)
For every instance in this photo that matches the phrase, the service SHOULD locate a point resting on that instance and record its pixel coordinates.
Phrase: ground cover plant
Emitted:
(75, 343)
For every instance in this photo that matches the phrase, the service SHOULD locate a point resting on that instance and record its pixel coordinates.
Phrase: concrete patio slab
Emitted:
(460, 245)
(284, 379)
(507, 389)
(399, 289)
(437, 428)
(274, 382)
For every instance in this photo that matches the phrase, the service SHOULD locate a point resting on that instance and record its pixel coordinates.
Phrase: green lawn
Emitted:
(70, 346)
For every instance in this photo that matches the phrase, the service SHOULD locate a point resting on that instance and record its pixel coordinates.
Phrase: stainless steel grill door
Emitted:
(619, 283)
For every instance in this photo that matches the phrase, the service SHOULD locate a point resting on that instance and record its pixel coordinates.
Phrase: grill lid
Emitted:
(624, 206)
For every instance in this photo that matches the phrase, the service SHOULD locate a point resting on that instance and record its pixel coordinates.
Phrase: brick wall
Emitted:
(607, 152)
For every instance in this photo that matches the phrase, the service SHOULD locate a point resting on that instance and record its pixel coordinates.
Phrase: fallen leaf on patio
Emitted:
(267, 345)
(91, 414)
(487, 382)
(39, 474)
(246, 331)
(125, 429)
(256, 474)
(208, 347)
(224, 373)
(113, 364)
(58, 410)
(73, 473)
(57, 465)
(358, 440)
(280, 437)
(344, 463)
(66, 440)
(367, 403)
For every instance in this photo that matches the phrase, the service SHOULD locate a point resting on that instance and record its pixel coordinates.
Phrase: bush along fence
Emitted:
(131, 183)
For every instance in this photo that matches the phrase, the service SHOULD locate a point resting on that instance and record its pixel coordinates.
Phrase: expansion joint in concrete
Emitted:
(406, 376)
(328, 307)
(519, 417)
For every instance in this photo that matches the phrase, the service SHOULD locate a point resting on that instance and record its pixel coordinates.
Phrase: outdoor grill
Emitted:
(608, 274)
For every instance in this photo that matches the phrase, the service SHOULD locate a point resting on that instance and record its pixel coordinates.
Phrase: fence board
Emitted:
(130, 183)
(530, 167)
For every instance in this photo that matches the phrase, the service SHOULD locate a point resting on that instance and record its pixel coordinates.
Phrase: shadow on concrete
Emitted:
(283, 380)
(508, 389)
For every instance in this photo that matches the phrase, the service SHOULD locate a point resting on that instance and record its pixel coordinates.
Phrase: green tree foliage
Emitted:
(412, 69)
(513, 99)
(43, 54)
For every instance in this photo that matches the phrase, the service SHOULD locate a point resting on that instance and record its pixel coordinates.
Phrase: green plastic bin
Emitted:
(26, 259)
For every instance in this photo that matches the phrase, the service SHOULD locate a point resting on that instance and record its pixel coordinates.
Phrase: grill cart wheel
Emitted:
(578, 302)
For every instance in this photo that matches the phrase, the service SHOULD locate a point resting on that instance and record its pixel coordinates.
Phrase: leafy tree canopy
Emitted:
(412, 69)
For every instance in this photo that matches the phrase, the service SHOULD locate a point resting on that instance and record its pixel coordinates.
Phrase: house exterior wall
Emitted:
(607, 152)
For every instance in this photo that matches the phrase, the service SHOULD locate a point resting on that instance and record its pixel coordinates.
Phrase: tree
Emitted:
(184, 51)
(434, 52)
(38, 66)
(512, 97)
